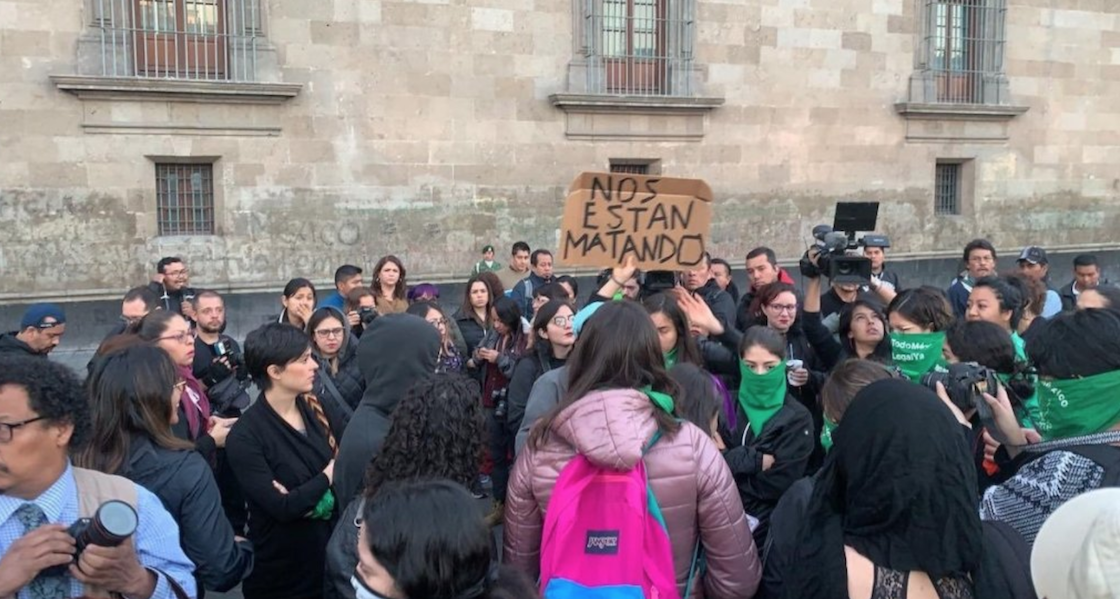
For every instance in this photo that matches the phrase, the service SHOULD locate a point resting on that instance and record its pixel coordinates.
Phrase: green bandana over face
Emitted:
(1075, 407)
(826, 434)
(670, 358)
(661, 400)
(916, 354)
(761, 395)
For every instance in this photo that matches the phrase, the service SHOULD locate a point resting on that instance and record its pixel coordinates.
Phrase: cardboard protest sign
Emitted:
(664, 222)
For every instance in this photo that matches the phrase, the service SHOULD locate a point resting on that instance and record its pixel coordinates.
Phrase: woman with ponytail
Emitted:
(283, 453)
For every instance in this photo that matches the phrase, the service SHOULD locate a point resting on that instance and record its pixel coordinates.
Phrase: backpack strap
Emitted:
(655, 510)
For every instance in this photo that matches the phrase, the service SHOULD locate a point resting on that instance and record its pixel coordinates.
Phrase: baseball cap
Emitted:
(36, 314)
(1034, 255)
(487, 248)
(1077, 553)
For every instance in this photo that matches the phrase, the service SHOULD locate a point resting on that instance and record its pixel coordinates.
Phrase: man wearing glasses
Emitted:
(40, 331)
(171, 286)
(42, 416)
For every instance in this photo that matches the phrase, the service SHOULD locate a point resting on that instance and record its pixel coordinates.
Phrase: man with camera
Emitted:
(43, 416)
(360, 309)
(171, 284)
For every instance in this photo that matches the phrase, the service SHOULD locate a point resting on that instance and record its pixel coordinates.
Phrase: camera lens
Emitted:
(117, 519)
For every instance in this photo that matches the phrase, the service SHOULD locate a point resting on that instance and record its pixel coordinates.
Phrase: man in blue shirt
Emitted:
(43, 415)
(347, 278)
(541, 275)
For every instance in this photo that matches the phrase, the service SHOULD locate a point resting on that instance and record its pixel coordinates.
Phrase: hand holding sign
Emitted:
(662, 222)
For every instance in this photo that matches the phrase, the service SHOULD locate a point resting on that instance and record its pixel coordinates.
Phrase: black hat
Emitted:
(1034, 255)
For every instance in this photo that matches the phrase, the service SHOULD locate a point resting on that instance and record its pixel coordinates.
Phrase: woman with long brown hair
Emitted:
(390, 288)
(618, 401)
(134, 397)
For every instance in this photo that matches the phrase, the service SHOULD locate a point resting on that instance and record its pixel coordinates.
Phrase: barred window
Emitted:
(964, 43)
(947, 188)
(209, 40)
(185, 199)
(638, 47)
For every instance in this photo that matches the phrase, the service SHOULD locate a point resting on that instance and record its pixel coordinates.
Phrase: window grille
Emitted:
(198, 40)
(638, 47)
(964, 44)
(185, 199)
(630, 168)
(947, 189)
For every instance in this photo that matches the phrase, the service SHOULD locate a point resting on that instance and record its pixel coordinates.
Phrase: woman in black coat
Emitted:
(282, 451)
(473, 319)
(551, 342)
(134, 396)
(339, 383)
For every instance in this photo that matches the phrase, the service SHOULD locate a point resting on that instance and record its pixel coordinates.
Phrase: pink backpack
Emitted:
(605, 538)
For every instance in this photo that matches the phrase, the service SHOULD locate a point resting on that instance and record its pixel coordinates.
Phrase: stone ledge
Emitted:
(145, 89)
(957, 123)
(642, 118)
(982, 112)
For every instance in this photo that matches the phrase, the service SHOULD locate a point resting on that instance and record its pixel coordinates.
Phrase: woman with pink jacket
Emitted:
(605, 418)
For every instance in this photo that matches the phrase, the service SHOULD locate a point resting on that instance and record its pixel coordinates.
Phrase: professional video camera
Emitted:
(833, 244)
(112, 524)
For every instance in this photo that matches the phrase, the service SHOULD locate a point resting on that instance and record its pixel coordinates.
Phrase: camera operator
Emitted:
(45, 418)
(1078, 360)
(220, 366)
(360, 309)
(171, 284)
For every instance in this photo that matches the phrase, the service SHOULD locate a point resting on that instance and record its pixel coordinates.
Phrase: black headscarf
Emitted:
(899, 487)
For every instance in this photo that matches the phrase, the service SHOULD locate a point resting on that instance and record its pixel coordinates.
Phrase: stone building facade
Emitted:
(289, 136)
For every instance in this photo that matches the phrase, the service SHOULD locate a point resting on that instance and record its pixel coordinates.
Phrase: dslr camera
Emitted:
(965, 383)
(367, 315)
(501, 405)
(225, 350)
(112, 524)
(834, 244)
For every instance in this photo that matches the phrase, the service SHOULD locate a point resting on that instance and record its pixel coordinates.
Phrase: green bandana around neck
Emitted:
(1076, 407)
(826, 434)
(670, 358)
(918, 353)
(761, 395)
(659, 399)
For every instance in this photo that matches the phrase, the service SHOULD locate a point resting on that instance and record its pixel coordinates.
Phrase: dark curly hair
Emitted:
(53, 391)
(436, 432)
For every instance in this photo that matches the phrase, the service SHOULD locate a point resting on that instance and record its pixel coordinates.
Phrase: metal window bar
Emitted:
(964, 42)
(638, 47)
(185, 199)
(631, 168)
(947, 189)
(198, 40)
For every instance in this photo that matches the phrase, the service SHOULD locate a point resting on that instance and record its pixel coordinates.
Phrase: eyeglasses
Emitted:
(438, 323)
(563, 320)
(184, 337)
(328, 333)
(779, 308)
(181, 385)
(177, 274)
(8, 429)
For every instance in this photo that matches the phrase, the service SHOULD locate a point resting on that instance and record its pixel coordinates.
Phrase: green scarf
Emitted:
(659, 399)
(1028, 414)
(1076, 407)
(918, 353)
(670, 359)
(761, 395)
(826, 434)
(324, 509)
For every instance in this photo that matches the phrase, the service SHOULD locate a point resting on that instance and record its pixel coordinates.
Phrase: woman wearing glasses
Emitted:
(174, 335)
(134, 397)
(450, 359)
(339, 380)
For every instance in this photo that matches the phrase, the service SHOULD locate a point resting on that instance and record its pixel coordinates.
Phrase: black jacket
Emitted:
(184, 483)
(529, 368)
(10, 344)
(723, 307)
(395, 352)
(170, 300)
(1069, 298)
(262, 448)
(788, 436)
(472, 331)
(347, 381)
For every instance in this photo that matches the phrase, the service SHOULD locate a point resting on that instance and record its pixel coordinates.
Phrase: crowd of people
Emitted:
(655, 437)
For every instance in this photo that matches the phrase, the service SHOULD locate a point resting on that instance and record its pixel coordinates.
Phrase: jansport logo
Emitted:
(602, 542)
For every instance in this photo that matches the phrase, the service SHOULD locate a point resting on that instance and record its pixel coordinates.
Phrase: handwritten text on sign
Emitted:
(664, 222)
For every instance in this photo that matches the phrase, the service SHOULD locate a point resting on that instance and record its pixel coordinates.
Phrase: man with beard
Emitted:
(219, 365)
(171, 284)
(40, 331)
